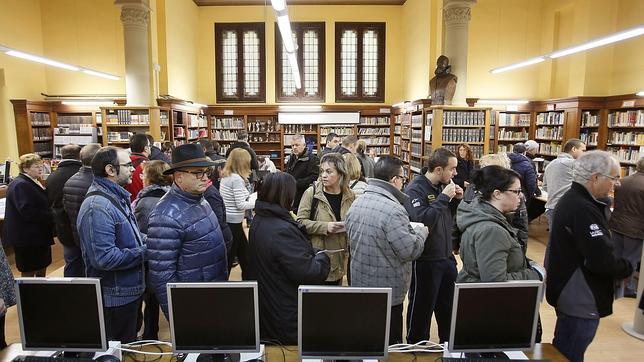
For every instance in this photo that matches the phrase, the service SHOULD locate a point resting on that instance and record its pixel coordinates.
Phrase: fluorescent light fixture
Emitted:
(623, 35)
(100, 74)
(88, 103)
(199, 105)
(301, 108)
(502, 101)
(278, 5)
(35, 58)
(640, 94)
(287, 35)
(522, 64)
(292, 60)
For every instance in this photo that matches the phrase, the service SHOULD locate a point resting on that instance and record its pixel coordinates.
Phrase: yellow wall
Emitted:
(416, 29)
(20, 27)
(329, 14)
(181, 36)
(628, 70)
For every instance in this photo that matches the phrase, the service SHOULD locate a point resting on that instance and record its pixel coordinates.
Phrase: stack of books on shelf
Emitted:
(127, 117)
(588, 137)
(77, 129)
(340, 130)
(550, 149)
(163, 118)
(464, 118)
(197, 133)
(373, 131)
(551, 118)
(463, 135)
(589, 119)
(41, 134)
(630, 118)
(224, 135)
(626, 138)
(179, 132)
(195, 120)
(628, 155)
(123, 136)
(374, 121)
(379, 141)
(550, 133)
(40, 119)
(513, 135)
(514, 119)
(43, 149)
(228, 122)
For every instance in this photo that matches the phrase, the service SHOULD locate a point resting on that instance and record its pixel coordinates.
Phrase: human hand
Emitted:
(334, 227)
(450, 190)
(459, 192)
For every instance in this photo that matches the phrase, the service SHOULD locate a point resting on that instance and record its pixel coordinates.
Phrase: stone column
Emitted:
(456, 18)
(135, 16)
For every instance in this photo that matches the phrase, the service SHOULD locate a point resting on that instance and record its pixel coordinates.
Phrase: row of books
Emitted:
(508, 135)
(375, 140)
(80, 140)
(339, 130)
(416, 150)
(627, 170)
(40, 119)
(179, 132)
(514, 119)
(228, 122)
(589, 119)
(380, 150)
(589, 138)
(551, 118)
(417, 120)
(464, 118)
(374, 120)
(373, 131)
(551, 133)
(74, 120)
(43, 149)
(223, 135)
(463, 134)
(630, 138)
(416, 135)
(632, 118)
(123, 136)
(626, 154)
(163, 118)
(41, 134)
(126, 116)
(552, 148)
(195, 120)
(197, 133)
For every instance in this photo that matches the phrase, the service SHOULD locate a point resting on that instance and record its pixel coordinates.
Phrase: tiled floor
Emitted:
(610, 344)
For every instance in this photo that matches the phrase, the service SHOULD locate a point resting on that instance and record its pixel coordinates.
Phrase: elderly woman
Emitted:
(28, 219)
(324, 208)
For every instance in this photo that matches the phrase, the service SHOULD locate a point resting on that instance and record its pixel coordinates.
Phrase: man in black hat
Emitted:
(185, 243)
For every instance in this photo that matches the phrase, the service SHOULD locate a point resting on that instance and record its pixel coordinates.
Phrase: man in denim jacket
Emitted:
(112, 246)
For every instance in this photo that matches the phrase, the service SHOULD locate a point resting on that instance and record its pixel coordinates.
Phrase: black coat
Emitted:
(253, 156)
(55, 183)
(28, 219)
(281, 258)
(216, 202)
(74, 194)
(305, 169)
(463, 172)
(219, 167)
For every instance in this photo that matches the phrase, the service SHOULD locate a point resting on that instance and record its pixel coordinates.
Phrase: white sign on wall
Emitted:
(318, 117)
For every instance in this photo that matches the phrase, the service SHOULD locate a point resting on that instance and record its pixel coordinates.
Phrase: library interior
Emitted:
(470, 102)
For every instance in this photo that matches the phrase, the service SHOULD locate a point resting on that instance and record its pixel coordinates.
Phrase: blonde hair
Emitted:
(353, 166)
(153, 173)
(238, 162)
(497, 159)
(27, 160)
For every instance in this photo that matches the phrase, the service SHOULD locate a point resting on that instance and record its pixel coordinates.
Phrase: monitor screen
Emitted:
(214, 317)
(495, 317)
(61, 314)
(343, 322)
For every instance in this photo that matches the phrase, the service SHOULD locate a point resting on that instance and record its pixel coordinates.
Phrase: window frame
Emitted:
(360, 28)
(239, 28)
(298, 28)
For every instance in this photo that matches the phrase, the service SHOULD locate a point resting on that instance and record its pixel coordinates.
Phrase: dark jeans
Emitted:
(240, 245)
(120, 322)
(74, 265)
(149, 316)
(431, 292)
(573, 335)
(3, 342)
(396, 325)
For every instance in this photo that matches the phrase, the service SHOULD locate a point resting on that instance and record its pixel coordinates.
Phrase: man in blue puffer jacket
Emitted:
(185, 243)
(523, 166)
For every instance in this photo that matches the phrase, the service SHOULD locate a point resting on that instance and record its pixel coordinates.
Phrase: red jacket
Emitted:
(138, 160)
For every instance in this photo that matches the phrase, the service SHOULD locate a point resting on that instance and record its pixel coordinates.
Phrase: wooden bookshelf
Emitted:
(119, 123)
(453, 126)
(265, 137)
(510, 127)
(181, 122)
(375, 130)
(625, 132)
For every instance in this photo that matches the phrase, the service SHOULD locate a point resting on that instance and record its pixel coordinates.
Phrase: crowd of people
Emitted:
(142, 218)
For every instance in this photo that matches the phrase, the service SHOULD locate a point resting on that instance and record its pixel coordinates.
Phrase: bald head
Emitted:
(70, 152)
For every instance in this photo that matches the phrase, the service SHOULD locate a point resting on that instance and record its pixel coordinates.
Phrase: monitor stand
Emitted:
(220, 357)
(492, 355)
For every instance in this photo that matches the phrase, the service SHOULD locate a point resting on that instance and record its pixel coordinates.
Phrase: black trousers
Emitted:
(431, 292)
(239, 247)
(120, 322)
(396, 325)
(3, 342)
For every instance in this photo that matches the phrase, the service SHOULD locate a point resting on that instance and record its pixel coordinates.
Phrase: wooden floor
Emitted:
(610, 344)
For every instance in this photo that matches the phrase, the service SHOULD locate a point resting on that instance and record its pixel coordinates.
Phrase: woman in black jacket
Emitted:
(280, 258)
(28, 219)
(465, 166)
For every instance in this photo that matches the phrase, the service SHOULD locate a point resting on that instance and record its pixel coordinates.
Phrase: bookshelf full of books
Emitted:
(453, 126)
(76, 128)
(375, 131)
(41, 133)
(549, 132)
(513, 127)
(196, 126)
(264, 136)
(589, 128)
(342, 130)
(625, 139)
(120, 123)
(309, 131)
(224, 129)
(405, 141)
(397, 124)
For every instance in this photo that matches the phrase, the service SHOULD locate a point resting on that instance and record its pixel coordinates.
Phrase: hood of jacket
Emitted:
(478, 211)
(517, 158)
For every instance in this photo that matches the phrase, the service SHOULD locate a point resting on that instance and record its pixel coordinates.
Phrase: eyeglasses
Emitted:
(516, 191)
(129, 164)
(403, 178)
(199, 174)
(613, 178)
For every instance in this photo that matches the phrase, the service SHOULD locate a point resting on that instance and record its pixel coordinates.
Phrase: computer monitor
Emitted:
(61, 314)
(214, 319)
(343, 322)
(494, 317)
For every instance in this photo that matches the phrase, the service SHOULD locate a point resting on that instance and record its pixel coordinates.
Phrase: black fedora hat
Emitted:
(188, 155)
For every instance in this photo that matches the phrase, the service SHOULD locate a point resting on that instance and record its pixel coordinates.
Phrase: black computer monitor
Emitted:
(343, 322)
(494, 317)
(214, 319)
(61, 314)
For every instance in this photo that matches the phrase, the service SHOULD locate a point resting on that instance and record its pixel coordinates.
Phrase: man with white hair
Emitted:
(304, 166)
(531, 149)
(581, 266)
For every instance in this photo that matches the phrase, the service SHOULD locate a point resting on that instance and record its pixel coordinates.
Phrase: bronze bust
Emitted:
(443, 85)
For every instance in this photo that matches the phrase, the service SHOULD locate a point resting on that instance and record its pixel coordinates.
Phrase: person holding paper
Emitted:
(323, 209)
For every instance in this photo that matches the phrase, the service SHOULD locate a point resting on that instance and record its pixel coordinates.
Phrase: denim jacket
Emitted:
(112, 246)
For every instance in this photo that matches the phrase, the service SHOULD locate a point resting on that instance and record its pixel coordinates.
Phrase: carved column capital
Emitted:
(135, 17)
(457, 12)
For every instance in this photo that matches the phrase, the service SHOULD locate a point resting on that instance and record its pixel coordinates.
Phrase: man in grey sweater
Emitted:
(557, 177)
(383, 243)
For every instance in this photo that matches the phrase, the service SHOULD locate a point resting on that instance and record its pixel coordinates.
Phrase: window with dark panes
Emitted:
(240, 62)
(360, 62)
(309, 40)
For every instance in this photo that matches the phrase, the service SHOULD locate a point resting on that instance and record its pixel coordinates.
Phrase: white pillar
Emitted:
(135, 16)
(636, 328)
(456, 19)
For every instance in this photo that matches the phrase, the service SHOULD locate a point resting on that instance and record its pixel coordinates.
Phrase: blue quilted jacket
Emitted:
(184, 243)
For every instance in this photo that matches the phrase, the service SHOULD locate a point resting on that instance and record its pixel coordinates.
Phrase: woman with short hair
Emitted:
(280, 258)
(357, 183)
(28, 225)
